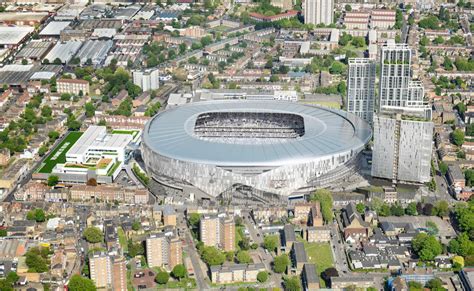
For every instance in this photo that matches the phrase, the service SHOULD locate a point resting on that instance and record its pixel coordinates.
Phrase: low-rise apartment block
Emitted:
(236, 273)
(72, 86)
(318, 234)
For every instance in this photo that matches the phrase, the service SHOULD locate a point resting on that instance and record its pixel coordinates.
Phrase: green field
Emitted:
(58, 155)
(319, 254)
(122, 239)
(131, 132)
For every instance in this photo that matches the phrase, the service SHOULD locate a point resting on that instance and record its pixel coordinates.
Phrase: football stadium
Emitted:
(253, 148)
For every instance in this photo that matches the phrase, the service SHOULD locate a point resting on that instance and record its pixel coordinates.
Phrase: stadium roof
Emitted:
(327, 132)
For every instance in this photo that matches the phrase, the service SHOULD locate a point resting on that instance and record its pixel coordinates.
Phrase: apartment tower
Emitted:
(228, 234)
(318, 11)
(361, 88)
(164, 250)
(397, 90)
(175, 253)
(108, 272)
(210, 230)
(402, 149)
(157, 250)
(119, 274)
(218, 231)
(100, 267)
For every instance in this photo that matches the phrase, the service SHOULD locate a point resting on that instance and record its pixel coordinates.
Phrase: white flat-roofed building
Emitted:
(97, 143)
(54, 28)
(63, 51)
(147, 79)
(13, 35)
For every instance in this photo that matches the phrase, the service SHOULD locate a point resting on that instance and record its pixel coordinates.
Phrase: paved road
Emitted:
(200, 274)
(337, 248)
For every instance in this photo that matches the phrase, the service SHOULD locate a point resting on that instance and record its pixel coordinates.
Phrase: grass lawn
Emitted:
(183, 284)
(113, 168)
(239, 235)
(131, 132)
(122, 239)
(319, 254)
(58, 155)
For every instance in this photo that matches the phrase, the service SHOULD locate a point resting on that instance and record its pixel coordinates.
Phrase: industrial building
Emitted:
(94, 51)
(63, 51)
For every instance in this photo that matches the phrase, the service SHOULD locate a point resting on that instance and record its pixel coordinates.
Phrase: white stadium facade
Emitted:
(256, 148)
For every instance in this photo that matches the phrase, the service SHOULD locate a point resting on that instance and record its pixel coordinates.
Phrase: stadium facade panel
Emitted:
(270, 146)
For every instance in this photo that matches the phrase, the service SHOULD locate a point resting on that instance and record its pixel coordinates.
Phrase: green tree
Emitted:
(280, 263)
(385, 210)
(93, 235)
(53, 135)
(348, 8)
(37, 260)
(457, 136)
(411, 209)
(435, 284)
(462, 245)
(262, 276)
(438, 40)
(342, 88)
(443, 168)
(426, 246)
(57, 61)
(360, 207)
(337, 68)
(136, 225)
(162, 277)
(212, 256)
(194, 219)
(292, 284)
(424, 41)
(458, 262)
(179, 272)
(397, 210)
(53, 180)
(429, 22)
(415, 286)
(79, 283)
(46, 111)
(442, 208)
(3, 232)
(243, 257)
(135, 249)
(325, 199)
(90, 109)
(358, 41)
(270, 242)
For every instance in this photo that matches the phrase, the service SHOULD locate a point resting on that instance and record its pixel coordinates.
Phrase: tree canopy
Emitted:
(93, 235)
(280, 263)
(179, 272)
(325, 199)
(427, 247)
(79, 283)
(270, 242)
(162, 277)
